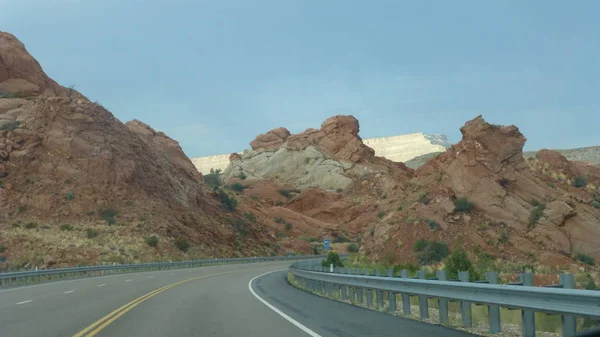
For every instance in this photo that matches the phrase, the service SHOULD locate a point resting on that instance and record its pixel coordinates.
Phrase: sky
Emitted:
(214, 74)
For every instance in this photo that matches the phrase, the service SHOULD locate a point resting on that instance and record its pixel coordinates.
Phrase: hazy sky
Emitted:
(214, 74)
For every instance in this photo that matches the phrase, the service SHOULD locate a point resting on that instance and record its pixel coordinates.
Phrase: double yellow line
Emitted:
(100, 324)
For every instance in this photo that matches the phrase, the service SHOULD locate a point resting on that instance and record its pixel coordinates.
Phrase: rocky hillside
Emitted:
(79, 186)
(589, 154)
(480, 194)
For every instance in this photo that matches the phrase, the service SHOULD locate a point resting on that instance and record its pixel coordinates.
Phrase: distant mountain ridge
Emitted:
(589, 154)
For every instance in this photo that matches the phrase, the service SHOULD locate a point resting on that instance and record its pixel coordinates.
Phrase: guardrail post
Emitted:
(569, 326)
(465, 307)
(423, 305)
(443, 303)
(379, 293)
(493, 310)
(369, 291)
(528, 316)
(405, 297)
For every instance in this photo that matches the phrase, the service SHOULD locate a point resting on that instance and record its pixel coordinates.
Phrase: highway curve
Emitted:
(206, 301)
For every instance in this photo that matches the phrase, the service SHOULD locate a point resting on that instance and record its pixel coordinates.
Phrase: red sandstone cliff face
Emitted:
(69, 167)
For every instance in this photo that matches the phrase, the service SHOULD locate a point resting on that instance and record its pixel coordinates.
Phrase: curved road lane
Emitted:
(206, 301)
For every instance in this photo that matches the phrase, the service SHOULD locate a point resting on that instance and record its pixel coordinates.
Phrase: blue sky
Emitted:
(214, 74)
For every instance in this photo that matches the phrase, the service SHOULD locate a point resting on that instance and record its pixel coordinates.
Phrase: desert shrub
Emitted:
(339, 190)
(536, 213)
(242, 176)
(2, 248)
(213, 179)
(44, 227)
(241, 227)
(279, 203)
(128, 203)
(504, 182)
(381, 214)
(91, 233)
(315, 251)
(286, 193)
(21, 209)
(431, 251)
(228, 203)
(280, 235)
(503, 236)
(419, 245)
(432, 224)
(279, 219)
(463, 205)
(352, 248)
(340, 239)
(251, 217)
(68, 181)
(288, 226)
(16, 225)
(332, 258)
(238, 187)
(399, 208)
(142, 218)
(31, 225)
(412, 268)
(66, 228)
(108, 214)
(10, 125)
(152, 241)
(70, 195)
(182, 244)
(579, 181)
(587, 259)
(596, 204)
(459, 261)
(423, 198)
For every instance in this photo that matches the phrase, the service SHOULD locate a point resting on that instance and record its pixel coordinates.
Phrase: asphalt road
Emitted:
(206, 301)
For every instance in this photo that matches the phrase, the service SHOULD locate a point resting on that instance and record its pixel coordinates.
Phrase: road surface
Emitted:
(248, 300)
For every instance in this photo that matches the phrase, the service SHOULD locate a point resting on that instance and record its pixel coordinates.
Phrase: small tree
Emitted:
(352, 248)
(182, 244)
(579, 181)
(459, 261)
(332, 258)
(213, 179)
(152, 241)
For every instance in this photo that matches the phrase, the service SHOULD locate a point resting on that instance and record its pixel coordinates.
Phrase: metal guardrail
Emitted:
(38, 276)
(349, 284)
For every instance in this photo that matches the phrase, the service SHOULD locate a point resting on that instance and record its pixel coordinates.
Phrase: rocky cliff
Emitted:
(79, 186)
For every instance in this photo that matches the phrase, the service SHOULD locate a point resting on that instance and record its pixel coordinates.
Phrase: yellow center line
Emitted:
(106, 320)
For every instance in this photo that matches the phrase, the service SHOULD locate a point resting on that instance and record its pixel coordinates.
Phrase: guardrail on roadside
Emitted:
(349, 284)
(47, 275)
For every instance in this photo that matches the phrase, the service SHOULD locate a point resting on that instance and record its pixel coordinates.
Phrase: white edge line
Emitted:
(101, 285)
(68, 292)
(291, 320)
(25, 302)
(127, 280)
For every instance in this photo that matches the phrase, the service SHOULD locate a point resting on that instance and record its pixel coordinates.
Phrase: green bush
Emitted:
(10, 125)
(432, 224)
(288, 226)
(429, 252)
(108, 214)
(423, 198)
(340, 239)
(2, 248)
(596, 204)
(381, 214)
(152, 241)
(536, 213)
(70, 195)
(68, 181)
(228, 203)
(459, 261)
(315, 251)
(412, 268)
(31, 225)
(503, 236)
(242, 176)
(213, 179)
(16, 225)
(352, 248)
(280, 235)
(66, 228)
(21, 209)
(579, 181)
(142, 218)
(279, 203)
(463, 205)
(279, 219)
(251, 217)
(587, 259)
(332, 258)
(238, 187)
(91, 233)
(286, 193)
(419, 245)
(182, 244)
(241, 227)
